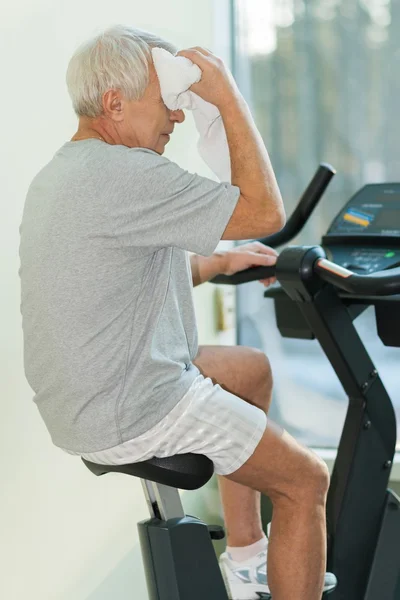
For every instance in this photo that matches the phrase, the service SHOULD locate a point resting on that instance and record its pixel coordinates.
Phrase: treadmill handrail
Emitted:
(381, 283)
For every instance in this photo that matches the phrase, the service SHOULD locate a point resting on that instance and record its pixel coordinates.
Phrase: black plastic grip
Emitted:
(252, 274)
(382, 283)
(304, 209)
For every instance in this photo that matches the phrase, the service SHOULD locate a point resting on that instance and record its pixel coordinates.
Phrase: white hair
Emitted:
(117, 58)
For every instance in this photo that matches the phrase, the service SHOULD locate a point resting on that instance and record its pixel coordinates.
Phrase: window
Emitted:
(322, 78)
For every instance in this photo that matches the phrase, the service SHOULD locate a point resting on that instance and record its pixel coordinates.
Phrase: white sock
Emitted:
(243, 553)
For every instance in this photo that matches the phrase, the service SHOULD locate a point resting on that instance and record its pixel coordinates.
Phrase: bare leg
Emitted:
(246, 373)
(243, 528)
(294, 478)
(297, 482)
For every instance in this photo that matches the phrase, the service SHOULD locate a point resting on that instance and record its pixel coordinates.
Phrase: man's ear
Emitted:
(113, 105)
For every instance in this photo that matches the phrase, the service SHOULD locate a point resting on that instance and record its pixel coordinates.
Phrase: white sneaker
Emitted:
(248, 580)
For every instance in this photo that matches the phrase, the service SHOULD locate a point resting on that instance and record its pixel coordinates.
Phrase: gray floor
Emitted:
(308, 398)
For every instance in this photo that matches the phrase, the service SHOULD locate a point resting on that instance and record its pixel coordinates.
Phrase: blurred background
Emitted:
(321, 77)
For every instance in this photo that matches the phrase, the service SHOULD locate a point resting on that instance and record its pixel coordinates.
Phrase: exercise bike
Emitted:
(318, 298)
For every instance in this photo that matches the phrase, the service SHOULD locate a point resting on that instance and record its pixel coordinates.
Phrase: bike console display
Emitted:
(365, 235)
(362, 248)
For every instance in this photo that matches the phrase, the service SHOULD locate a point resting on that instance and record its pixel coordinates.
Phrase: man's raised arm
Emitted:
(259, 211)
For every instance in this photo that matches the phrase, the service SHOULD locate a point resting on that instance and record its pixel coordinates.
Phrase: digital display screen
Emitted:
(375, 210)
(386, 219)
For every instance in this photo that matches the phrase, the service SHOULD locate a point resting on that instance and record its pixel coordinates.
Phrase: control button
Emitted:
(390, 254)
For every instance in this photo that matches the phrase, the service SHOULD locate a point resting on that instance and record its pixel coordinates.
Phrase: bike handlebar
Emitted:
(381, 283)
(308, 201)
(252, 274)
(294, 225)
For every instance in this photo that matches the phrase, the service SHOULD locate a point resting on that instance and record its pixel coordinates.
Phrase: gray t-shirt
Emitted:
(106, 289)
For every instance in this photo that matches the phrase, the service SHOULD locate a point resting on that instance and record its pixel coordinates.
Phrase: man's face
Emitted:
(148, 123)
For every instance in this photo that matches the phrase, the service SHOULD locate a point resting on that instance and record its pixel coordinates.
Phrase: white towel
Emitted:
(176, 74)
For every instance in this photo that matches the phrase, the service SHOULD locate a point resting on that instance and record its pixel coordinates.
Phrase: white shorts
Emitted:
(208, 420)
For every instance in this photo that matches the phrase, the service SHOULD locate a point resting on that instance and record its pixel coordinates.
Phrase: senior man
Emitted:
(110, 339)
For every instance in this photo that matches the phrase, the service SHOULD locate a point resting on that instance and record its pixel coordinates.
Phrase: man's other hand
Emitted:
(253, 254)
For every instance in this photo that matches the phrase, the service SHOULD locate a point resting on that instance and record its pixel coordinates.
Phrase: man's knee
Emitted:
(310, 481)
(313, 480)
(263, 364)
(263, 381)
(286, 471)
(308, 487)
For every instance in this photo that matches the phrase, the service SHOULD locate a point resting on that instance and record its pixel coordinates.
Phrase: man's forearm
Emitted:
(205, 268)
(262, 213)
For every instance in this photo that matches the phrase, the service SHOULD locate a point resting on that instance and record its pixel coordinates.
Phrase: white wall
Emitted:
(64, 533)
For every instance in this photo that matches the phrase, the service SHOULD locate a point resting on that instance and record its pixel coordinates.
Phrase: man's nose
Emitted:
(178, 116)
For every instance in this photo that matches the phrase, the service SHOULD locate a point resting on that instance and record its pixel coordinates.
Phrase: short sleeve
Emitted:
(152, 202)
